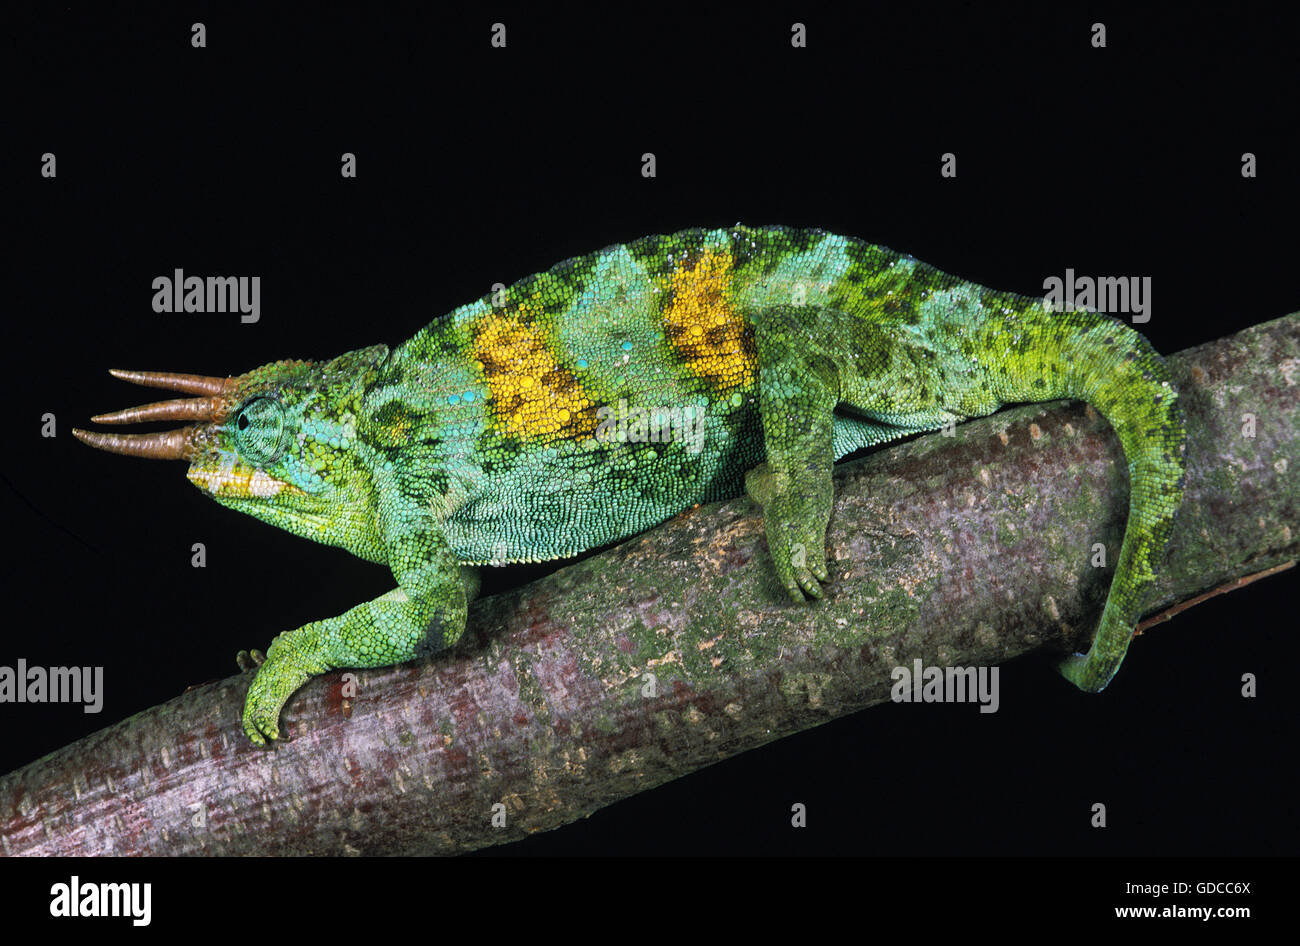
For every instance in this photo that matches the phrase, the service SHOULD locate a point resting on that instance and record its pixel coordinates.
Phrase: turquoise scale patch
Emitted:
(804, 278)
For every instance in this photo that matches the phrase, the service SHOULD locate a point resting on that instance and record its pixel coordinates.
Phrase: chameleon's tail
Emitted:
(1102, 361)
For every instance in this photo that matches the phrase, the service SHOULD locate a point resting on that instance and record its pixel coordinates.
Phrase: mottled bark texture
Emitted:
(964, 550)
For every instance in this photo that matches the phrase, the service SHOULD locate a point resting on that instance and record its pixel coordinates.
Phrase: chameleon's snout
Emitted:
(216, 396)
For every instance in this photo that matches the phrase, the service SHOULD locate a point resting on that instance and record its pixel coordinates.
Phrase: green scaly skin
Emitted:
(483, 439)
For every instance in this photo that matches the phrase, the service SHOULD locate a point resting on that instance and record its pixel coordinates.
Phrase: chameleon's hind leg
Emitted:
(797, 393)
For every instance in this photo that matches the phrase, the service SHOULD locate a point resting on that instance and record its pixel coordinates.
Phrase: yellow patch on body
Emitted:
(704, 327)
(532, 394)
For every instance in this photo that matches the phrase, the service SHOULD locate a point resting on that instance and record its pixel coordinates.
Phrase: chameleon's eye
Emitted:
(259, 430)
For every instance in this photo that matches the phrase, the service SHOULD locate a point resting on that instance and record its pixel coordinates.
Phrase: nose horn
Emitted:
(167, 445)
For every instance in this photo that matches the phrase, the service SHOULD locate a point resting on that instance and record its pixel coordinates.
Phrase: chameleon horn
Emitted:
(184, 383)
(166, 445)
(194, 408)
(177, 409)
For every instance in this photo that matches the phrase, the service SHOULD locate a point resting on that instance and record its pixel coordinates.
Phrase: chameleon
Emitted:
(583, 405)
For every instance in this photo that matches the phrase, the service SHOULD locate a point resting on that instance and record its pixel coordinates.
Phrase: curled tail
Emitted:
(1107, 364)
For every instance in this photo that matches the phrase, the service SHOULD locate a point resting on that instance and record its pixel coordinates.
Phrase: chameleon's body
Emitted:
(512, 429)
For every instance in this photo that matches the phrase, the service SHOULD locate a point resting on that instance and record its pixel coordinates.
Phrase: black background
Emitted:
(478, 165)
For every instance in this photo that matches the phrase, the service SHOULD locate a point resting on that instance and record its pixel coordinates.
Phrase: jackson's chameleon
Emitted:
(587, 403)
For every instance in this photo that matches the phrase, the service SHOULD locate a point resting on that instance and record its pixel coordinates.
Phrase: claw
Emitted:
(261, 732)
(254, 736)
(808, 583)
(250, 659)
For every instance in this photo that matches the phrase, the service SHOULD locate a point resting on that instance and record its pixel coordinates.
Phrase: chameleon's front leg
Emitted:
(424, 614)
(798, 390)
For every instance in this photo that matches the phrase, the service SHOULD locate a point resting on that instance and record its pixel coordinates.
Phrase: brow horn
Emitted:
(166, 445)
(194, 408)
(169, 381)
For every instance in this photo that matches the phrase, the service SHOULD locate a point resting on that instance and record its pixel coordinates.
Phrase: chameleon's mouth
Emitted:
(182, 443)
(238, 482)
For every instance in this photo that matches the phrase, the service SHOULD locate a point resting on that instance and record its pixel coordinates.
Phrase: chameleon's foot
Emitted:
(261, 715)
(795, 523)
(289, 663)
(250, 659)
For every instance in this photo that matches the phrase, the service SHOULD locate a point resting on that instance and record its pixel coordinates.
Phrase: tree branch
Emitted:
(963, 550)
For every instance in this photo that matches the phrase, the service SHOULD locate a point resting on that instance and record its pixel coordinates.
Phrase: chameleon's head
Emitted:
(277, 443)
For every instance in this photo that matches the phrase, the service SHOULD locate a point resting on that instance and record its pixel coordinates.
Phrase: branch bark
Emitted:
(965, 550)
